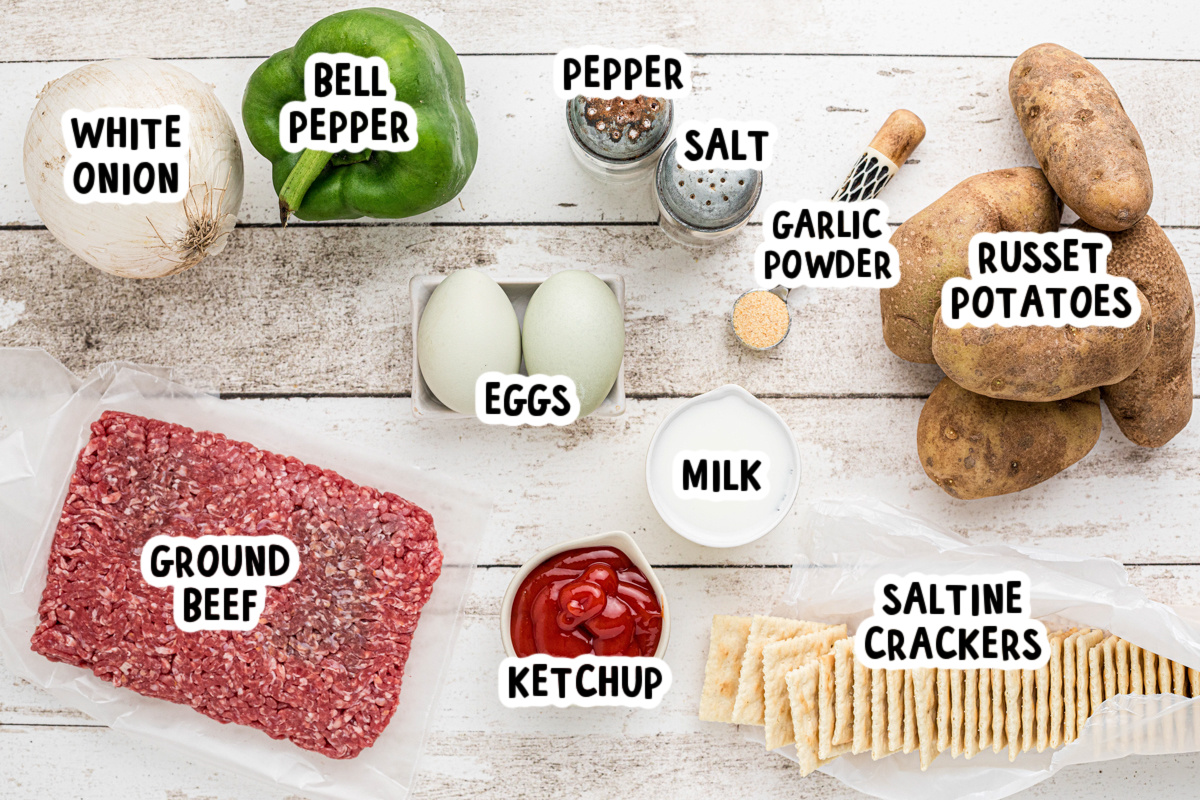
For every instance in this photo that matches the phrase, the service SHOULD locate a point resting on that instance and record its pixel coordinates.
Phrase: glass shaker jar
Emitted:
(699, 207)
(618, 140)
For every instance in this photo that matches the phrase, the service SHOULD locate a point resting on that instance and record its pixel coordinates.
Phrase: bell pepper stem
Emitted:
(299, 179)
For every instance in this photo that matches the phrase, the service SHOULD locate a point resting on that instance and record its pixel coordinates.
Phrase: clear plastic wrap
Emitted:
(847, 545)
(45, 413)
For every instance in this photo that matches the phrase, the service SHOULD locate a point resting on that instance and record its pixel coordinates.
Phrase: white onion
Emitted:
(146, 240)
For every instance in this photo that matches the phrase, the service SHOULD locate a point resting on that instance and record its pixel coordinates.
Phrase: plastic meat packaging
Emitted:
(847, 545)
(45, 414)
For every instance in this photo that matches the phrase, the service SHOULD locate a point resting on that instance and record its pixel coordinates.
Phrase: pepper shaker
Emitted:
(618, 140)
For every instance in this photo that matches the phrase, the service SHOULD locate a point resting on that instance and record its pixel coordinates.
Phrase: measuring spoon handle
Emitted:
(891, 147)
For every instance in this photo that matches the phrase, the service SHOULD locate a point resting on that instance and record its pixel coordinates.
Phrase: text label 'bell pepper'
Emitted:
(351, 106)
(427, 142)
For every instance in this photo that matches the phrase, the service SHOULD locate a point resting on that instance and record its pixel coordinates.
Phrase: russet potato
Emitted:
(974, 446)
(1080, 134)
(1039, 363)
(1155, 402)
(933, 247)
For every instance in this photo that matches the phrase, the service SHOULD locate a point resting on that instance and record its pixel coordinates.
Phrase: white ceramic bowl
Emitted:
(519, 290)
(621, 541)
(710, 538)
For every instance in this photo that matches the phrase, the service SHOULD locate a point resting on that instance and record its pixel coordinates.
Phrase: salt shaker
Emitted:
(699, 207)
(618, 140)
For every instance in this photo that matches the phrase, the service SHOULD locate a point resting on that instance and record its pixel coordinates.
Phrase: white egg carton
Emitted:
(519, 290)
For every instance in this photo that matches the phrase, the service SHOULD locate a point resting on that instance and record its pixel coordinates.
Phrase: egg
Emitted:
(468, 328)
(574, 327)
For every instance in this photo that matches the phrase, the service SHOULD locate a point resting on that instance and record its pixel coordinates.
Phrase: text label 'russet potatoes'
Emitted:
(1057, 278)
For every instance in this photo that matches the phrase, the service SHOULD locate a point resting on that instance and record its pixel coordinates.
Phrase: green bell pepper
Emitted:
(317, 185)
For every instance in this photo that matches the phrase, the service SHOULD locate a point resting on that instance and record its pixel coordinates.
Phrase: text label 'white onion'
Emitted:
(138, 240)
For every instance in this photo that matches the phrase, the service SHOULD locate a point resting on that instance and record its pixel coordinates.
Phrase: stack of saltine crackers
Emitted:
(800, 680)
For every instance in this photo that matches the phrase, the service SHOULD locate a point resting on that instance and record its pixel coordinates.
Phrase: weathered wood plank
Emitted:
(1121, 501)
(179, 29)
(477, 747)
(526, 171)
(590, 478)
(326, 310)
(100, 765)
(681, 766)
(468, 698)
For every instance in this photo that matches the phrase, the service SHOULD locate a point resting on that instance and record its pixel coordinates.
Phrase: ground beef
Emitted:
(323, 667)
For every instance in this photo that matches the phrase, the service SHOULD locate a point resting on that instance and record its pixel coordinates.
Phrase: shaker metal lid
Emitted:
(619, 130)
(706, 199)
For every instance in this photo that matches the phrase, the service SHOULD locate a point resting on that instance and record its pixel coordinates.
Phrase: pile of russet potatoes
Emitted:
(1021, 404)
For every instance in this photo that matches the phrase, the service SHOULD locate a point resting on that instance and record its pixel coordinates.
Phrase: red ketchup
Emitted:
(588, 600)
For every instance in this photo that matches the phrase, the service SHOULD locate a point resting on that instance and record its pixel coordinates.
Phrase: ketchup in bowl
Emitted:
(587, 600)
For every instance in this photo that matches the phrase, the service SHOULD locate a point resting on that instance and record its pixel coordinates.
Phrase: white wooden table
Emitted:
(311, 324)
